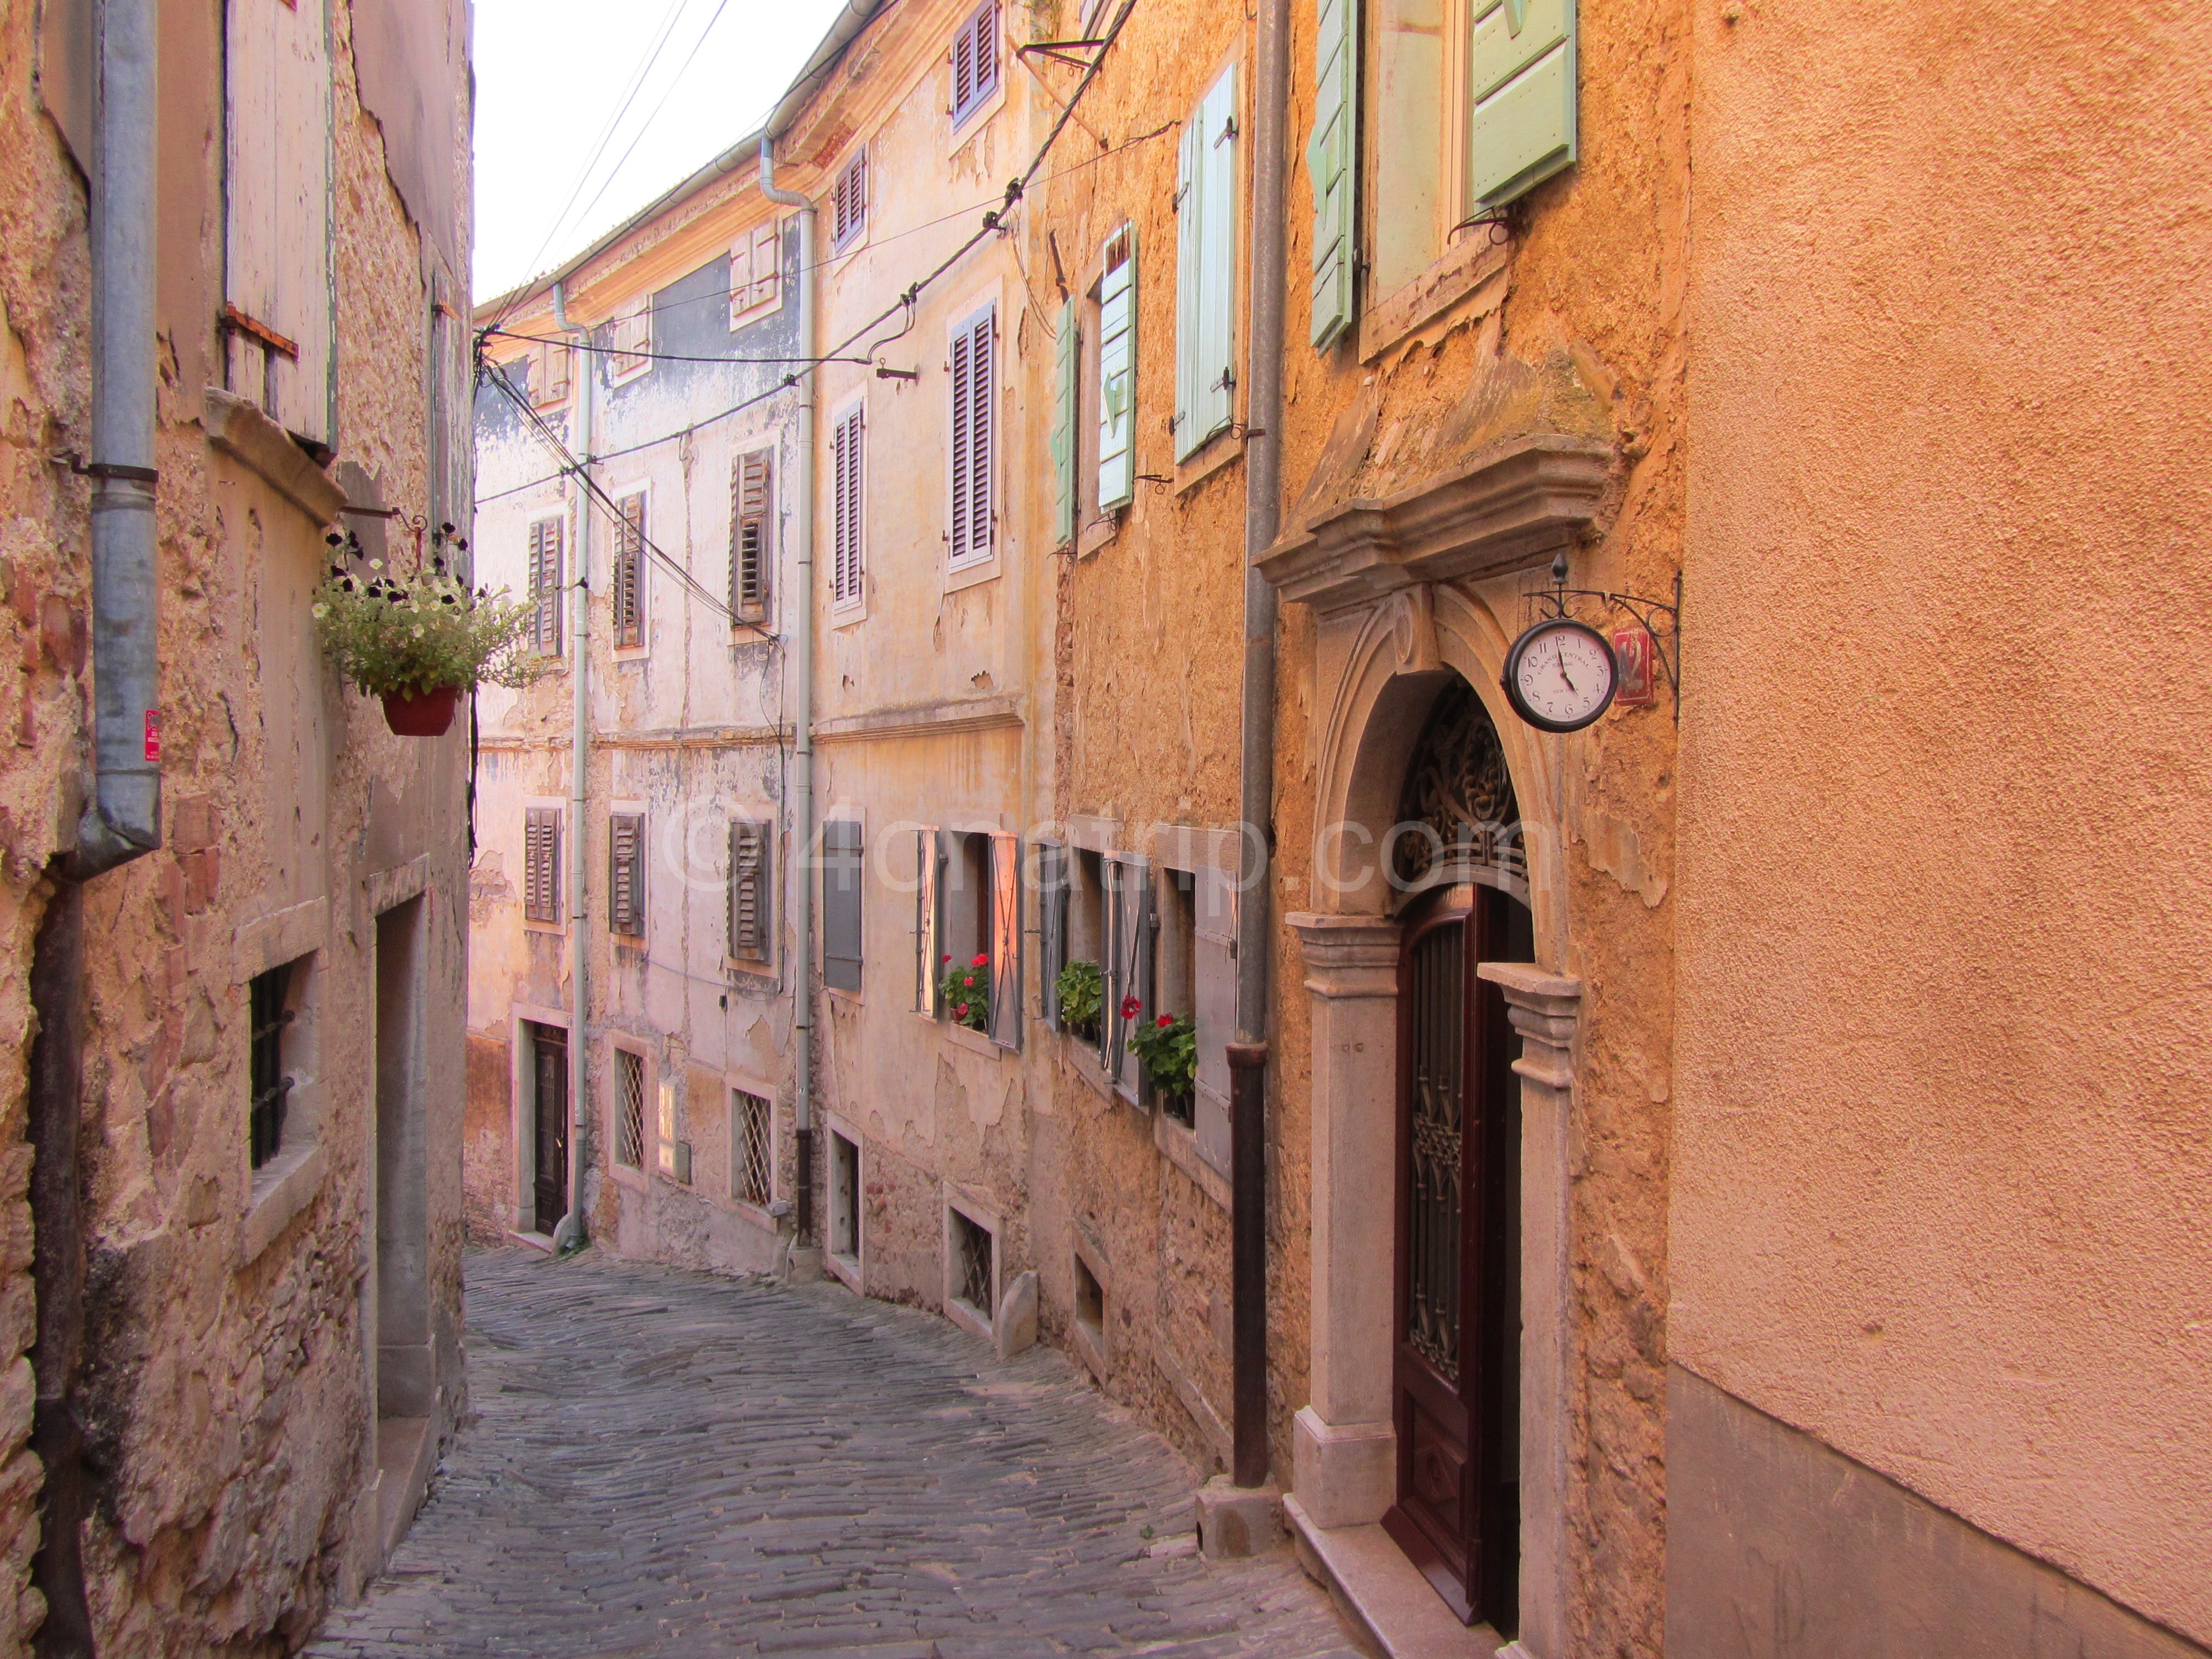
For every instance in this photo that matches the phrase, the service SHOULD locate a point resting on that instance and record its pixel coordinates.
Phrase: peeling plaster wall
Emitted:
(1942, 1150)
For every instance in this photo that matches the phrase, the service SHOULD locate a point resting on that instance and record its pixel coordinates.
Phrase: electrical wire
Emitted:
(497, 332)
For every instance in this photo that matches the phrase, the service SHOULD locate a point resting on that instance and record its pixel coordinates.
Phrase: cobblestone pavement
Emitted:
(669, 1463)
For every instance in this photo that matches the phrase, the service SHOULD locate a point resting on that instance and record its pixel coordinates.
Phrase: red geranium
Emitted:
(1131, 1007)
(960, 1011)
(1165, 1020)
(982, 959)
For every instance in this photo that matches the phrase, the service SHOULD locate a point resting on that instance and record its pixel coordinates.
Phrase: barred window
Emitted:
(752, 1156)
(972, 1263)
(265, 996)
(629, 1108)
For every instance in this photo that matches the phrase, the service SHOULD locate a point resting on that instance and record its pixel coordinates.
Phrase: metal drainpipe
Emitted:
(802, 808)
(123, 820)
(1247, 1055)
(570, 1233)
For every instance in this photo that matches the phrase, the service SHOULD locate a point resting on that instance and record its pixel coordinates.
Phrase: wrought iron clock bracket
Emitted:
(1666, 642)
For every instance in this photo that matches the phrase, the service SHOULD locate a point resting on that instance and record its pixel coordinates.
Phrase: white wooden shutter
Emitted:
(928, 919)
(847, 462)
(1213, 899)
(751, 542)
(751, 890)
(843, 867)
(972, 439)
(1117, 372)
(629, 575)
(626, 874)
(1006, 941)
(1206, 269)
(1067, 356)
(277, 266)
(1332, 166)
(1520, 126)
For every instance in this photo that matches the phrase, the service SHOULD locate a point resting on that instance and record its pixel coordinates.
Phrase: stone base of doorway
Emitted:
(1235, 1522)
(540, 1241)
(406, 1451)
(1382, 1594)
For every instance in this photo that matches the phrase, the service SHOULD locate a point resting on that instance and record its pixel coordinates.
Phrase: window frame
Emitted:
(845, 235)
(629, 565)
(624, 1051)
(632, 821)
(547, 599)
(740, 1158)
(554, 816)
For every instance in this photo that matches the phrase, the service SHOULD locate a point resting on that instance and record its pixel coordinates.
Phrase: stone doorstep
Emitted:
(542, 1242)
(405, 1449)
(1385, 1595)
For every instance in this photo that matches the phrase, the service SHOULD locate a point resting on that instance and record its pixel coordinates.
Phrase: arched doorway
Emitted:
(1456, 1331)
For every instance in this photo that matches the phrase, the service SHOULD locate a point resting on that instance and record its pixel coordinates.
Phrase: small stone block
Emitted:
(804, 1266)
(1235, 1522)
(1016, 1324)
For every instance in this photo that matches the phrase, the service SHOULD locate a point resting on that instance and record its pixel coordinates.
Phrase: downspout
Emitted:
(1247, 1055)
(802, 788)
(123, 822)
(570, 1233)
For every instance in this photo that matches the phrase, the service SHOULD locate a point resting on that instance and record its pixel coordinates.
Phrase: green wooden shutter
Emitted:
(1066, 354)
(1331, 166)
(1190, 238)
(1117, 372)
(1206, 269)
(1520, 80)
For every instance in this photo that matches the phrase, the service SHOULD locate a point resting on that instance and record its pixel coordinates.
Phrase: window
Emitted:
(1129, 925)
(974, 63)
(1174, 975)
(844, 1198)
(843, 866)
(544, 574)
(626, 875)
(630, 573)
(849, 202)
(967, 915)
(1205, 270)
(752, 891)
(1083, 905)
(541, 865)
(973, 1279)
(756, 274)
(1052, 927)
(630, 341)
(849, 563)
(1089, 1303)
(972, 437)
(629, 1108)
(550, 366)
(1117, 372)
(270, 1011)
(752, 1160)
(752, 545)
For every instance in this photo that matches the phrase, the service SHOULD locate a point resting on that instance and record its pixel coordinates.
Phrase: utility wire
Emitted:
(497, 332)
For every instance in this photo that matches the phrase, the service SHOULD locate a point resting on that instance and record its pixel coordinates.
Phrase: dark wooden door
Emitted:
(1457, 1357)
(549, 1071)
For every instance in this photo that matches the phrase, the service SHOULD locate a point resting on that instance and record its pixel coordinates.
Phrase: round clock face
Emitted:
(1560, 675)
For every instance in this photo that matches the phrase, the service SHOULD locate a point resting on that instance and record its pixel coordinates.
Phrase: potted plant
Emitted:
(419, 642)
(1168, 1049)
(1082, 993)
(967, 992)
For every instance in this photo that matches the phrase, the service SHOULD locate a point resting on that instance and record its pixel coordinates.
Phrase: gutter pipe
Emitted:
(1247, 1055)
(123, 820)
(802, 806)
(570, 1233)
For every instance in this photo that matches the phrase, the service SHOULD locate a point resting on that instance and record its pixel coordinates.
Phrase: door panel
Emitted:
(550, 1067)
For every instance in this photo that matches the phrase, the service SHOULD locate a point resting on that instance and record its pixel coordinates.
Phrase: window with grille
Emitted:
(629, 1108)
(265, 1000)
(971, 1245)
(541, 865)
(974, 63)
(752, 1149)
(755, 273)
(544, 575)
(630, 573)
(849, 202)
(626, 874)
(751, 890)
(974, 437)
(849, 564)
(630, 337)
(752, 545)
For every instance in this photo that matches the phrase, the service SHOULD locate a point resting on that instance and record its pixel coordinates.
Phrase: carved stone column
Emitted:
(1545, 1008)
(1343, 1459)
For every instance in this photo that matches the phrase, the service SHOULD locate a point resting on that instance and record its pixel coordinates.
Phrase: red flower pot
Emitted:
(424, 716)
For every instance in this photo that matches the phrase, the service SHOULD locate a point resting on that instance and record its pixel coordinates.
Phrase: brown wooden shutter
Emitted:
(972, 440)
(750, 890)
(849, 201)
(974, 61)
(545, 538)
(751, 544)
(843, 868)
(626, 875)
(630, 574)
(850, 568)
(1006, 941)
(541, 864)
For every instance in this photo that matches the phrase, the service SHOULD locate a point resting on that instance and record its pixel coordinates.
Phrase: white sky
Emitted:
(550, 75)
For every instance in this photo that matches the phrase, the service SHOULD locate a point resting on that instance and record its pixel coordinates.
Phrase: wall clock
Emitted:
(1560, 675)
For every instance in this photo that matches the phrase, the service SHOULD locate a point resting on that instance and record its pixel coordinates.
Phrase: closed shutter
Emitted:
(631, 339)
(1052, 927)
(545, 536)
(849, 565)
(849, 201)
(756, 271)
(843, 866)
(1006, 941)
(630, 574)
(928, 919)
(751, 544)
(1331, 166)
(549, 374)
(1206, 269)
(1066, 355)
(1213, 899)
(626, 875)
(1117, 372)
(1521, 86)
(751, 890)
(1129, 966)
(972, 439)
(541, 864)
(974, 61)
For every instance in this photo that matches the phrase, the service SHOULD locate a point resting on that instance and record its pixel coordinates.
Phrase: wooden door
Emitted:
(1457, 1354)
(549, 1070)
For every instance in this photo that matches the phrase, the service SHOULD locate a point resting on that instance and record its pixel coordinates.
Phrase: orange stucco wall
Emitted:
(1941, 1138)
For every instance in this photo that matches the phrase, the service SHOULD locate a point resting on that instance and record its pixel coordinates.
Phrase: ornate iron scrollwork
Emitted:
(1459, 790)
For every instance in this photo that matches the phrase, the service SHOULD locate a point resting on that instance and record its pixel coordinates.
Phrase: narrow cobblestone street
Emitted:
(666, 1463)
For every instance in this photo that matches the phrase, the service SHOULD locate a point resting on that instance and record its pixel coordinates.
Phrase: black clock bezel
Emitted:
(1509, 680)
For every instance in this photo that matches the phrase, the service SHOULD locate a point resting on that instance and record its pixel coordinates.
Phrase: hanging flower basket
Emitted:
(425, 714)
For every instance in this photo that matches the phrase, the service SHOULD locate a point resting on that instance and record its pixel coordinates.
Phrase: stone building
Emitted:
(235, 295)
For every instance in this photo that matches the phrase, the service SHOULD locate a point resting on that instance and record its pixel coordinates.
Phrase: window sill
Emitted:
(1090, 1344)
(968, 1318)
(850, 999)
(1099, 531)
(1084, 1062)
(971, 574)
(1180, 1146)
(622, 653)
(1208, 458)
(282, 1187)
(1452, 278)
(759, 978)
(623, 1174)
(559, 929)
(845, 616)
(746, 1210)
(979, 1042)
